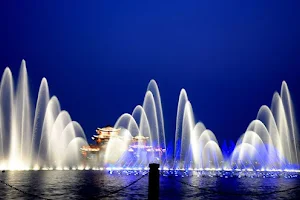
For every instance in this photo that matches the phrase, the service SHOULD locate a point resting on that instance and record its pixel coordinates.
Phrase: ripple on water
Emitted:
(93, 184)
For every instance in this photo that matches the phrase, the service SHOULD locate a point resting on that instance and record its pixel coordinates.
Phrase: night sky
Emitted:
(99, 56)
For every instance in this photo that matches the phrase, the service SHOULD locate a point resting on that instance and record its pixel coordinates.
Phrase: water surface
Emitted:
(98, 184)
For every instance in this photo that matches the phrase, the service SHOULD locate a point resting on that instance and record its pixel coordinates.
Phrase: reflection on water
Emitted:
(93, 184)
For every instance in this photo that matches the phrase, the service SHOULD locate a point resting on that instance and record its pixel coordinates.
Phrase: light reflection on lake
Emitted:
(94, 184)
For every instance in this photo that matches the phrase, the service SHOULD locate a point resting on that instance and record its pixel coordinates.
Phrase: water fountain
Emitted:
(145, 122)
(270, 141)
(47, 138)
(195, 146)
(32, 139)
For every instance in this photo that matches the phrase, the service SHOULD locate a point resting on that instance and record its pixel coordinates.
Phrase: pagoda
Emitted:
(94, 153)
(104, 134)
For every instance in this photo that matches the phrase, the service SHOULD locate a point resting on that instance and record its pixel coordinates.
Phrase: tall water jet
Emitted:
(290, 119)
(153, 88)
(151, 113)
(183, 99)
(6, 112)
(34, 138)
(21, 120)
(40, 110)
(187, 139)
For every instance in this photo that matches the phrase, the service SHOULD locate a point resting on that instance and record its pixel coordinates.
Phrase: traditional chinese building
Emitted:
(104, 134)
(95, 152)
(102, 137)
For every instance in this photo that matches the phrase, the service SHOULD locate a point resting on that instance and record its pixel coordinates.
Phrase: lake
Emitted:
(89, 184)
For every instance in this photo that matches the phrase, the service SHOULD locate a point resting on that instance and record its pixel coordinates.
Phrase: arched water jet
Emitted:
(61, 122)
(41, 106)
(265, 115)
(281, 122)
(251, 137)
(205, 137)
(72, 156)
(128, 122)
(261, 130)
(144, 126)
(6, 114)
(183, 98)
(212, 156)
(244, 155)
(52, 111)
(72, 130)
(141, 118)
(153, 88)
(187, 139)
(196, 133)
(150, 110)
(289, 114)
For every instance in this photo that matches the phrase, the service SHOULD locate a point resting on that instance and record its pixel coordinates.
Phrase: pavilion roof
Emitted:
(108, 129)
(140, 137)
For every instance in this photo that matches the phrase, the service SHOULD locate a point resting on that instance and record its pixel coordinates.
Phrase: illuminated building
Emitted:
(137, 146)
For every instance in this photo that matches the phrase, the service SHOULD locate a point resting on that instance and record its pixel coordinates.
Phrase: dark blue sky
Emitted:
(99, 56)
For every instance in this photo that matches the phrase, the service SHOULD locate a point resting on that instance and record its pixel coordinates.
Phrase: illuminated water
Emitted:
(94, 184)
(38, 134)
(270, 141)
(34, 135)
